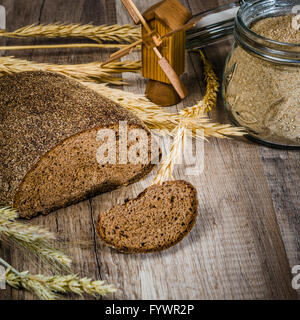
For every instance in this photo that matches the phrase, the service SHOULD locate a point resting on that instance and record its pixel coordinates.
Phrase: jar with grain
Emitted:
(261, 82)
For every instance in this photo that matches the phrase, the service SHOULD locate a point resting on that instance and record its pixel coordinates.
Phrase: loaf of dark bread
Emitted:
(157, 219)
(48, 145)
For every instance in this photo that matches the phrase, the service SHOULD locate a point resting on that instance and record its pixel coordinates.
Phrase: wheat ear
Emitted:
(87, 72)
(48, 287)
(117, 33)
(165, 171)
(65, 46)
(37, 240)
(9, 213)
(212, 88)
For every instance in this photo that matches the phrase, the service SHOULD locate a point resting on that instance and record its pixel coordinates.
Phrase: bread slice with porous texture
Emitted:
(157, 219)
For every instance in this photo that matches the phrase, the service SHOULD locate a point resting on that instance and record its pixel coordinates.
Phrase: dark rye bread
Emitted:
(48, 128)
(157, 219)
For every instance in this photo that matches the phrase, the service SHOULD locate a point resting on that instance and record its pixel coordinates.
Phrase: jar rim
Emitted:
(272, 50)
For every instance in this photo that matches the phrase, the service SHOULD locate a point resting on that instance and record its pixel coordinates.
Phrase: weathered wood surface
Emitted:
(246, 239)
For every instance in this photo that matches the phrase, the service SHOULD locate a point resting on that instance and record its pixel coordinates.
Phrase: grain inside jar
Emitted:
(263, 96)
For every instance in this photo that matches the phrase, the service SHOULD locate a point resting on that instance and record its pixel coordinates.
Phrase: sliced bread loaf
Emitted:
(48, 143)
(157, 219)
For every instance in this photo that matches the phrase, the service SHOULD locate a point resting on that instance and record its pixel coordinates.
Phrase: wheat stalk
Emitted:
(33, 238)
(156, 118)
(117, 33)
(47, 287)
(166, 168)
(212, 88)
(88, 71)
(196, 113)
(65, 46)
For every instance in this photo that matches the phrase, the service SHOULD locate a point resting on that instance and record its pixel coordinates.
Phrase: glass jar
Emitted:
(261, 81)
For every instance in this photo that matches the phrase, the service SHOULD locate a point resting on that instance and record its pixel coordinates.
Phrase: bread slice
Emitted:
(48, 143)
(157, 219)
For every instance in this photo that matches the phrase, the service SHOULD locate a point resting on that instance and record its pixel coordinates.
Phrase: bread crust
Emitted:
(40, 110)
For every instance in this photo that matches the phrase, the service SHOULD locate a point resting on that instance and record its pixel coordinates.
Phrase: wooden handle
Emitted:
(128, 5)
(121, 53)
(173, 77)
(127, 49)
(137, 14)
(117, 56)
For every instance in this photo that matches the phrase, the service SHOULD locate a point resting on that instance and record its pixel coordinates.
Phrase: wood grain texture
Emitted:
(247, 234)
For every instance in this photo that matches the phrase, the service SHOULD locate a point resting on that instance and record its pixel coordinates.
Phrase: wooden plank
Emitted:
(74, 224)
(5, 253)
(282, 169)
(235, 250)
(27, 15)
(217, 54)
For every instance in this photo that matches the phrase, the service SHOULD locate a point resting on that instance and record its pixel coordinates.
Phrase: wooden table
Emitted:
(246, 239)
